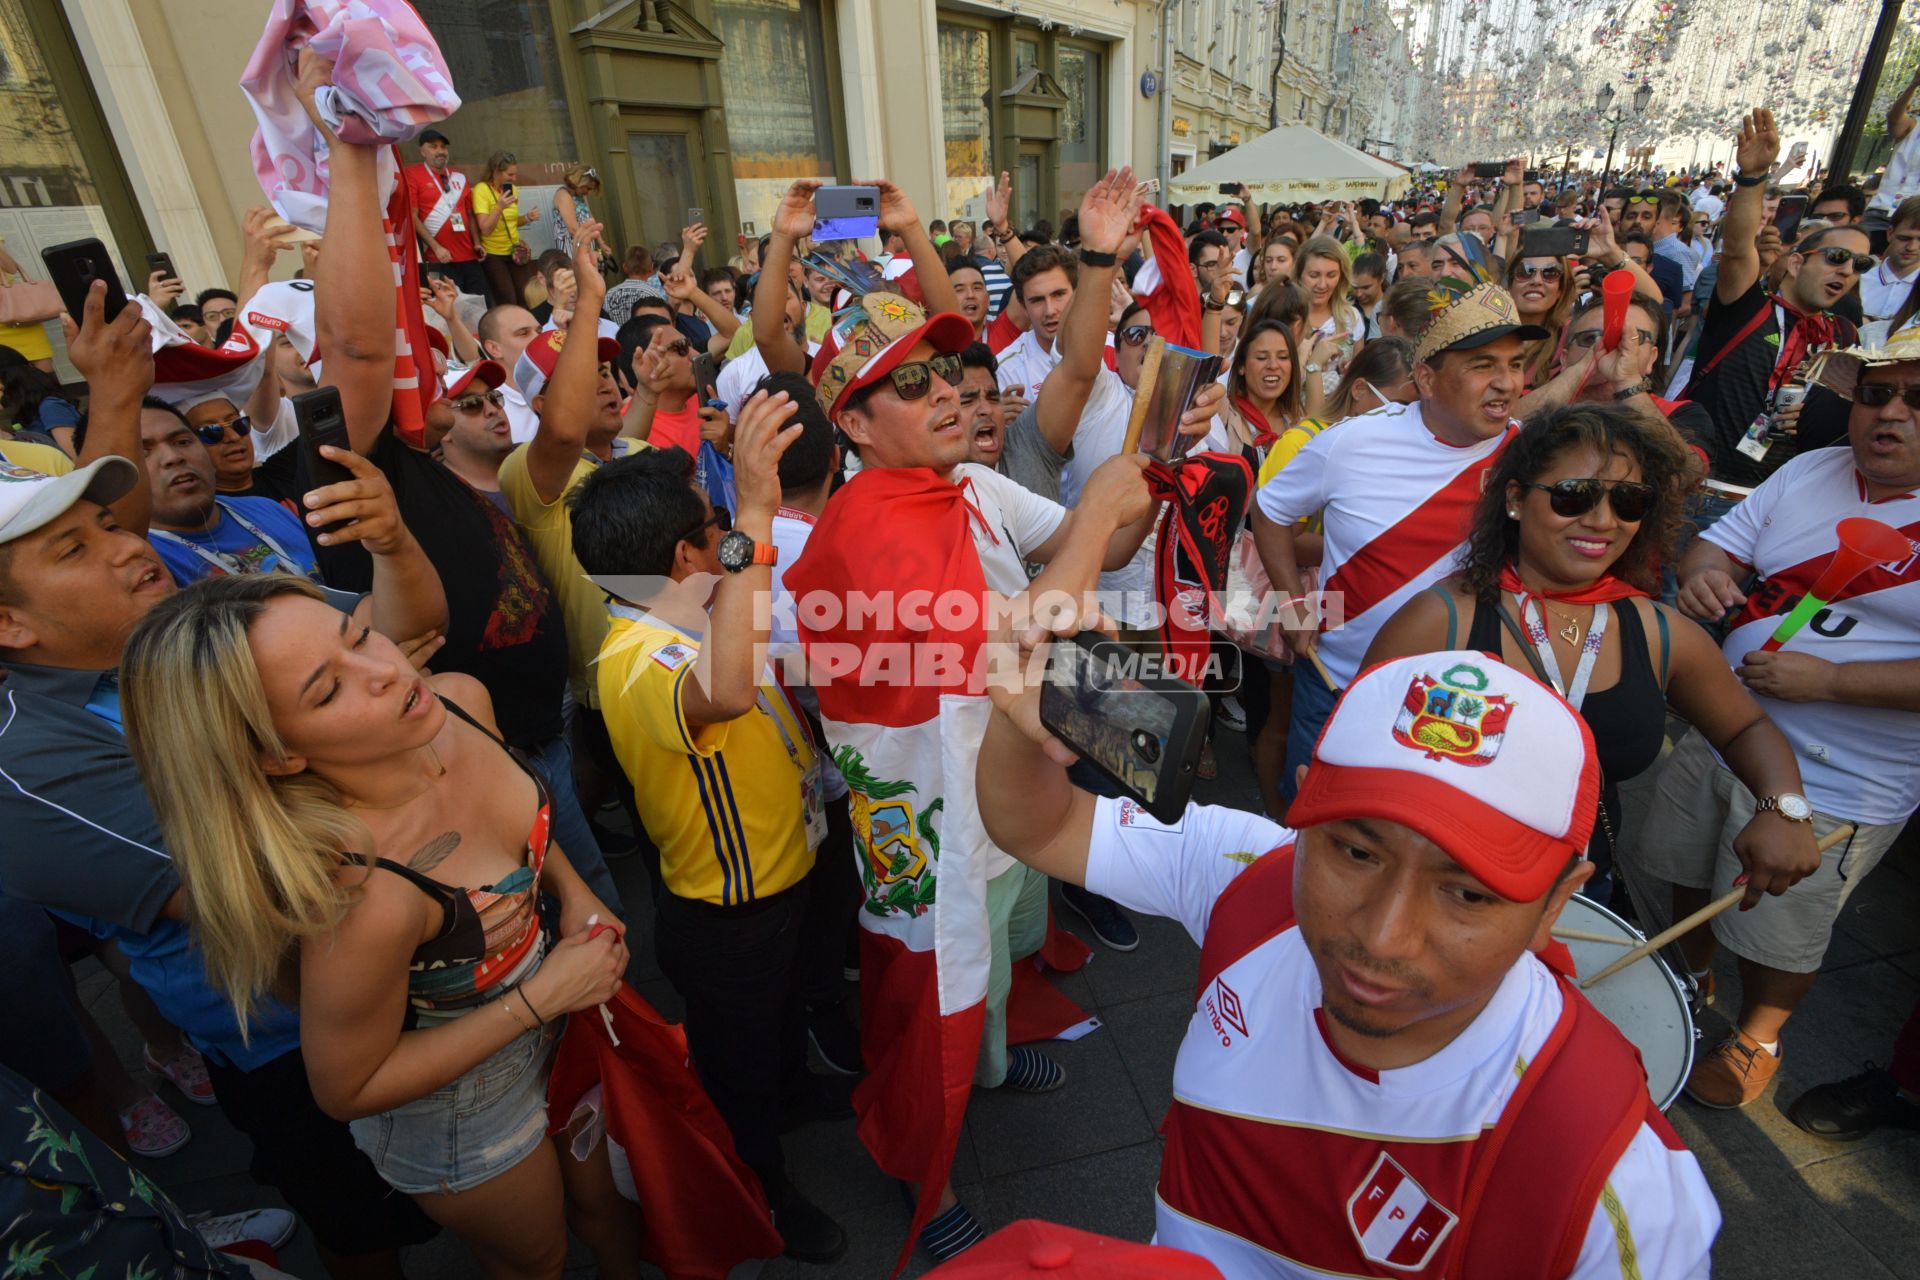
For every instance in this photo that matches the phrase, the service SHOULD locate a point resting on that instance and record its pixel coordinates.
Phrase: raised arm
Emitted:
(117, 362)
(897, 215)
(996, 228)
(1456, 196)
(1107, 216)
(1899, 115)
(681, 287)
(353, 279)
(566, 406)
(1753, 154)
(408, 599)
(727, 673)
(444, 297)
(792, 222)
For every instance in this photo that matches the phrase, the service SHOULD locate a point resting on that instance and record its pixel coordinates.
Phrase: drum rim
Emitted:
(1673, 984)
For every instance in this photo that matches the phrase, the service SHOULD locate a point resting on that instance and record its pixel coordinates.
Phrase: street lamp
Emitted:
(1641, 97)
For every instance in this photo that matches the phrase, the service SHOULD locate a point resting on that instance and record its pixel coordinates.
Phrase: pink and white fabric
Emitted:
(186, 373)
(389, 83)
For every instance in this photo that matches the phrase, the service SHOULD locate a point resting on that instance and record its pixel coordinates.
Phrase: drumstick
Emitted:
(1313, 656)
(1699, 917)
(1581, 935)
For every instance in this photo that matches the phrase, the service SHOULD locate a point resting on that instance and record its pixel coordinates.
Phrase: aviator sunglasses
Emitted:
(1631, 499)
(913, 381)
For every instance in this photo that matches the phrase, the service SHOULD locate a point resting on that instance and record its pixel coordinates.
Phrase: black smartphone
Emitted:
(1553, 242)
(1142, 730)
(1229, 188)
(322, 421)
(506, 189)
(1789, 215)
(1531, 175)
(1488, 169)
(1521, 217)
(74, 266)
(846, 213)
(162, 263)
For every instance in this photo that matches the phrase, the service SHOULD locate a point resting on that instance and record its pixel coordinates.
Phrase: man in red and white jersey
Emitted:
(1381, 1076)
(1396, 490)
(1845, 689)
(443, 215)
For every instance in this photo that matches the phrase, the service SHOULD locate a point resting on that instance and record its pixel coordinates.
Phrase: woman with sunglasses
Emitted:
(1562, 560)
(1543, 289)
(570, 211)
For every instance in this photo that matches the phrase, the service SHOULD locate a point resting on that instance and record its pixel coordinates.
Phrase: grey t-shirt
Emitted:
(1029, 460)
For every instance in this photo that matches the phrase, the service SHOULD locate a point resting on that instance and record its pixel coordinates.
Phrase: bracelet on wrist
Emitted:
(521, 991)
(1094, 258)
(1742, 180)
(519, 1021)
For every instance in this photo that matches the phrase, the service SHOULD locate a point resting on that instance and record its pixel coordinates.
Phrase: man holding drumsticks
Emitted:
(1381, 1077)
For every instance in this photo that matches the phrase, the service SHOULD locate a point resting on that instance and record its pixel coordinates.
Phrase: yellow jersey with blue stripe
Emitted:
(722, 802)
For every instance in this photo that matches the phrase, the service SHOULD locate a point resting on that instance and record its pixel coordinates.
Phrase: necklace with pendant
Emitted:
(1572, 632)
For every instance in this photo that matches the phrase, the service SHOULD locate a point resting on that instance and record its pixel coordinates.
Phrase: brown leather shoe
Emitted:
(1734, 1074)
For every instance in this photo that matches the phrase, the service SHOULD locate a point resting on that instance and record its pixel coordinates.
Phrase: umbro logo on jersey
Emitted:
(1224, 1013)
(1396, 1222)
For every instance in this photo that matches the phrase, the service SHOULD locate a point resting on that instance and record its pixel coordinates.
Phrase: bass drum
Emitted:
(1644, 1000)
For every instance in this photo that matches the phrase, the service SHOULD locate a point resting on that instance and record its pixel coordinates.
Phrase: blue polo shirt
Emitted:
(231, 547)
(83, 841)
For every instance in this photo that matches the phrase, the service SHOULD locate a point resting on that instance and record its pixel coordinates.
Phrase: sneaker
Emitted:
(1031, 1071)
(1700, 991)
(153, 1129)
(272, 1227)
(1229, 714)
(188, 1072)
(1734, 1074)
(1103, 916)
(835, 1038)
(952, 1233)
(1855, 1107)
(809, 1234)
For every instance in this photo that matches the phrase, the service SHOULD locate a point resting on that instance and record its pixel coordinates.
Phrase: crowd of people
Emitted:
(327, 770)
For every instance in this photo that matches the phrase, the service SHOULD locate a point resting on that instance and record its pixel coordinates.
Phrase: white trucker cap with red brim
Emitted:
(1485, 761)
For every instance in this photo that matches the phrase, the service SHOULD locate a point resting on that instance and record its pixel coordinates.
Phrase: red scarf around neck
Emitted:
(1257, 422)
(1810, 329)
(1604, 591)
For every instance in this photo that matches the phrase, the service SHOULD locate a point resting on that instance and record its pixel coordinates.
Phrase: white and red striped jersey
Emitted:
(1857, 763)
(1396, 505)
(1288, 1161)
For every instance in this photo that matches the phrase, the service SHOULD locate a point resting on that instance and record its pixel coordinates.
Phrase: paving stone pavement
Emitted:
(1088, 1154)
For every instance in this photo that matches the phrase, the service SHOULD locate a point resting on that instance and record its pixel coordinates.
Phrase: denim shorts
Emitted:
(474, 1129)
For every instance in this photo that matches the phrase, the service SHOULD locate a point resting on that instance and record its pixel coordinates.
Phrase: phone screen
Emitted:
(1791, 212)
(1553, 242)
(846, 213)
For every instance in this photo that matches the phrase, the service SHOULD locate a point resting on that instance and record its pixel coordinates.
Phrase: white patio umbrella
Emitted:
(1290, 164)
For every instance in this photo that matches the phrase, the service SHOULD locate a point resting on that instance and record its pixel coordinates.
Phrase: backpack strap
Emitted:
(1666, 644)
(1255, 908)
(1453, 614)
(1746, 331)
(1579, 1104)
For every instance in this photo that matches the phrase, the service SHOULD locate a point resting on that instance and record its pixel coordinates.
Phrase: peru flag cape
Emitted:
(907, 747)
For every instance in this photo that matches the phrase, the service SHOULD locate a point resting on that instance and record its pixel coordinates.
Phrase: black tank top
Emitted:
(1628, 717)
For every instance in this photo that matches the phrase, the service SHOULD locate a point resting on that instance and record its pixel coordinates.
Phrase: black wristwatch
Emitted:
(1742, 180)
(737, 550)
(1094, 258)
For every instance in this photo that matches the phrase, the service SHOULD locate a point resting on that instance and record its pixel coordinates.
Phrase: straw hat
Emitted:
(1839, 371)
(1464, 318)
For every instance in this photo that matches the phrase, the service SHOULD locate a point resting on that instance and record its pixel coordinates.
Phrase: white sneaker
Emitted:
(1230, 714)
(274, 1227)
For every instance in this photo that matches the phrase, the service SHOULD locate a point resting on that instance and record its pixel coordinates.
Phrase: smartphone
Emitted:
(163, 263)
(1229, 188)
(1488, 169)
(1553, 242)
(1521, 217)
(506, 189)
(1148, 187)
(1141, 729)
(846, 213)
(74, 266)
(1788, 216)
(322, 421)
(1531, 175)
(696, 215)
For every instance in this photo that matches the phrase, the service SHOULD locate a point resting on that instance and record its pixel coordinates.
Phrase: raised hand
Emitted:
(1108, 210)
(1759, 143)
(897, 213)
(795, 216)
(760, 437)
(590, 287)
(999, 200)
(363, 507)
(164, 289)
(115, 359)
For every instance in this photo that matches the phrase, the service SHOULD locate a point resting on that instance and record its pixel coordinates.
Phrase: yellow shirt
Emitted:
(722, 802)
(549, 530)
(742, 341)
(1285, 450)
(506, 232)
(43, 458)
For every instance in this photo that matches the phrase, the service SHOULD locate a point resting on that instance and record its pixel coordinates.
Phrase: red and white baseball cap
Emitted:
(1232, 214)
(488, 372)
(1483, 760)
(537, 362)
(1034, 1250)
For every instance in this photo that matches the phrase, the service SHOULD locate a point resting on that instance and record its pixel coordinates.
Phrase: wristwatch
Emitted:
(1094, 258)
(1789, 805)
(737, 550)
(1742, 180)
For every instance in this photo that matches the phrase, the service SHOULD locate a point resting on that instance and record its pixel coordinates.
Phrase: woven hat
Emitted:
(1466, 317)
(1839, 371)
(886, 327)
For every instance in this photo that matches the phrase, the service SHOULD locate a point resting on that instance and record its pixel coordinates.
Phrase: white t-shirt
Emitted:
(1857, 763)
(522, 422)
(1255, 1055)
(1882, 291)
(1902, 178)
(1371, 479)
(790, 534)
(737, 379)
(1018, 520)
(284, 431)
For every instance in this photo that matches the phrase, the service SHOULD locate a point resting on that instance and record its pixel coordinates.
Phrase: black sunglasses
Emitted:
(213, 432)
(1631, 499)
(721, 519)
(1839, 257)
(1877, 394)
(913, 381)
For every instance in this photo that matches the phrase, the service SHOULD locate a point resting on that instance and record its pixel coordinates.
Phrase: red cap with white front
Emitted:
(1483, 760)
